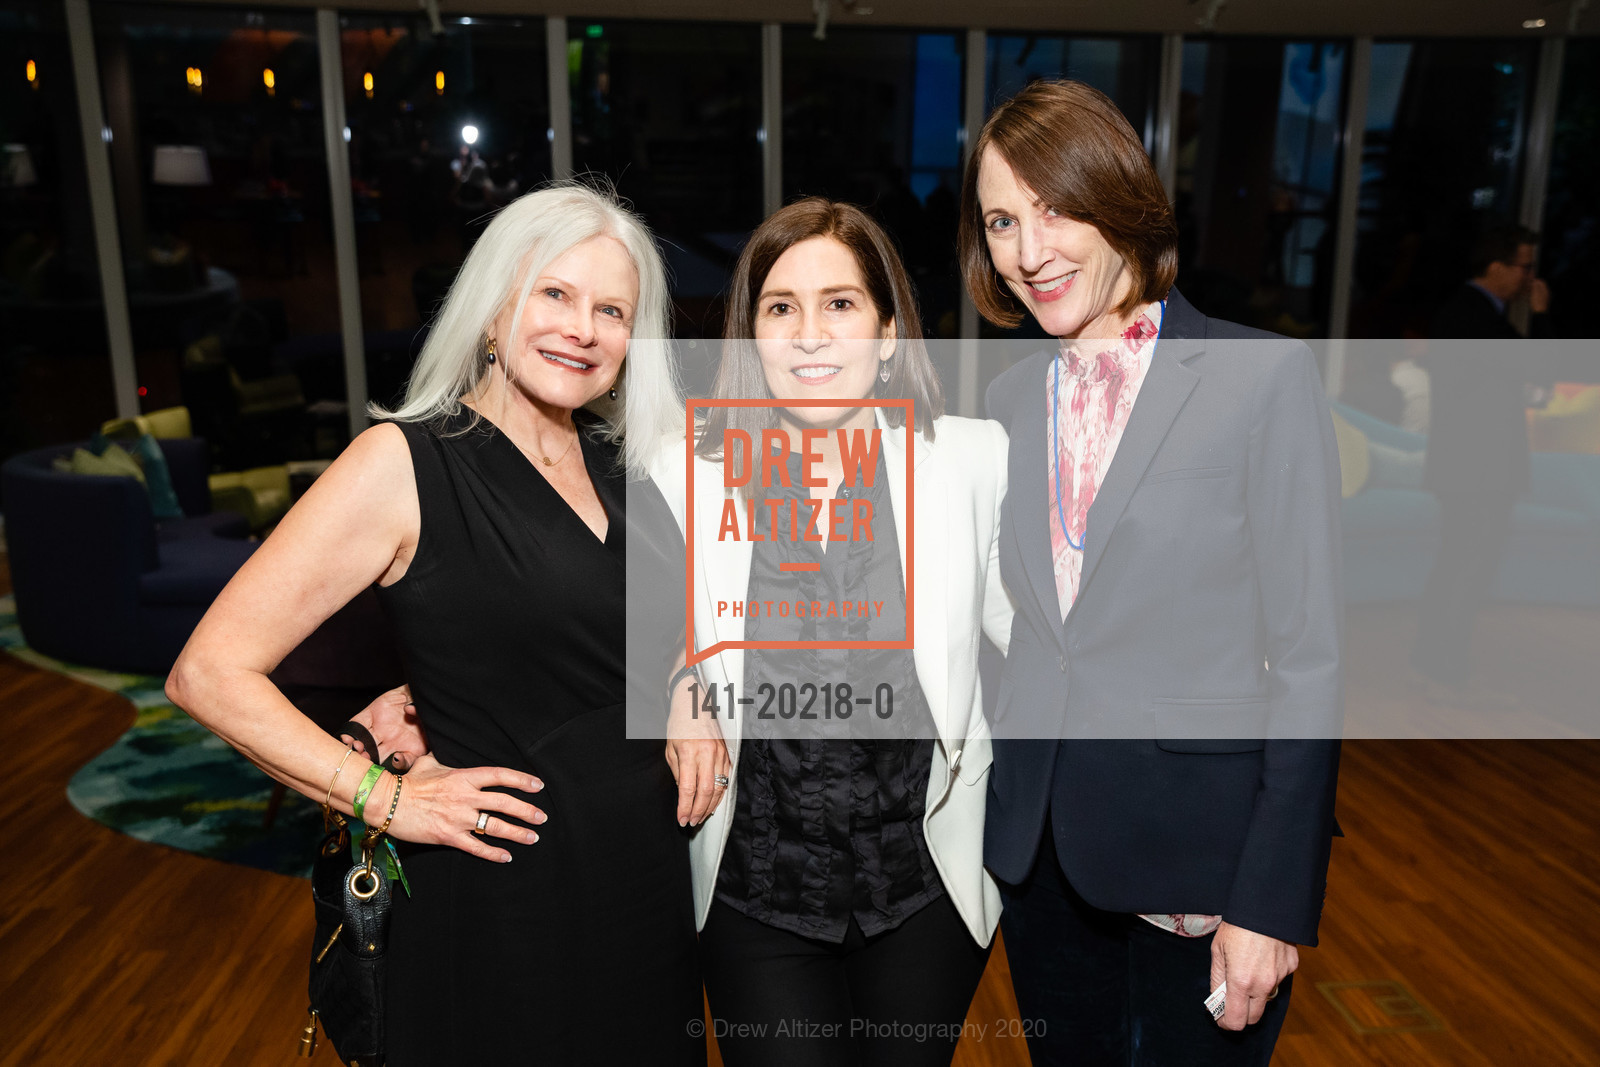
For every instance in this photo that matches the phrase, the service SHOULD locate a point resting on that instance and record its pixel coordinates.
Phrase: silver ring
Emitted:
(721, 779)
(483, 822)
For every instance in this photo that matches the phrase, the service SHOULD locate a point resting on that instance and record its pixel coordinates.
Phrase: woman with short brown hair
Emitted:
(1171, 541)
(1070, 145)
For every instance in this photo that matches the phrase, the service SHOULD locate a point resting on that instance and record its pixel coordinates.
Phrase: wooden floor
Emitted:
(1467, 887)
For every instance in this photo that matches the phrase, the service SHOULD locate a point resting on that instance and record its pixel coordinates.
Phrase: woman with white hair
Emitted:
(489, 511)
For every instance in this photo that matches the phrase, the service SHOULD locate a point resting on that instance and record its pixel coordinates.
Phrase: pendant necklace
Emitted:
(548, 462)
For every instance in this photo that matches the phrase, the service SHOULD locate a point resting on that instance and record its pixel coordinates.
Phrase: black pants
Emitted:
(1473, 530)
(896, 999)
(1105, 989)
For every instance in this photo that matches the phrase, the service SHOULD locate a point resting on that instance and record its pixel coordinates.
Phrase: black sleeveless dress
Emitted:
(510, 620)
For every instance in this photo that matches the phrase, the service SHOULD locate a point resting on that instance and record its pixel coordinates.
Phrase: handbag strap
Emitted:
(360, 733)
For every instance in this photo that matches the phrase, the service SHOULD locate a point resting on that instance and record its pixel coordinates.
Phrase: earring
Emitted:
(883, 371)
(613, 393)
(491, 350)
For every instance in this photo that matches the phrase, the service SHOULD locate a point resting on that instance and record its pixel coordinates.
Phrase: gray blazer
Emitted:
(1205, 638)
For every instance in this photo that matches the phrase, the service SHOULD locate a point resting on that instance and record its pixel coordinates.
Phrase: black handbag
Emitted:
(349, 948)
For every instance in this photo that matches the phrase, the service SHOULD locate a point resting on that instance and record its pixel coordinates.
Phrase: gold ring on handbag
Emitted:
(483, 822)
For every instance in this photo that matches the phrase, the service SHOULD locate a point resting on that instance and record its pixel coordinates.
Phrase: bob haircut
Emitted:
(1069, 145)
(521, 241)
(740, 375)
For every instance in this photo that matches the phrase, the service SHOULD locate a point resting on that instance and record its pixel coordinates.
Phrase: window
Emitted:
(1124, 68)
(444, 130)
(671, 112)
(1569, 257)
(873, 117)
(219, 163)
(1443, 157)
(1257, 182)
(55, 372)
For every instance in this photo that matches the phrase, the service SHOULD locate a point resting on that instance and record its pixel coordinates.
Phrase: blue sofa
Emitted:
(97, 580)
(1391, 527)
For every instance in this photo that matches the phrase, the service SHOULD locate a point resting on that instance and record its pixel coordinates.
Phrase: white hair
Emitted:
(524, 238)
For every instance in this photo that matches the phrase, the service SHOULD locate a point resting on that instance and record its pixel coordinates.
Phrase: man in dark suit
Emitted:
(1477, 459)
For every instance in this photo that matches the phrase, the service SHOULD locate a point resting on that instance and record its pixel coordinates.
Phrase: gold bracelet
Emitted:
(327, 801)
(394, 802)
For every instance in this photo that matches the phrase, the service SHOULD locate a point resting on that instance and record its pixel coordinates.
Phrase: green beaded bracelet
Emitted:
(364, 790)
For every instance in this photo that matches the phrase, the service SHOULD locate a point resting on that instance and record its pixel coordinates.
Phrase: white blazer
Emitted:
(960, 483)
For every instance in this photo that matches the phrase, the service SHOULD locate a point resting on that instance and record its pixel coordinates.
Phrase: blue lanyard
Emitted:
(1055, 450)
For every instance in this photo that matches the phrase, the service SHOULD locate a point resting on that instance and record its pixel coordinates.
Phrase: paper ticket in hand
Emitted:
(1217, 1002)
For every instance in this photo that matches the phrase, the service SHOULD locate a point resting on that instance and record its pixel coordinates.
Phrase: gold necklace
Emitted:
(548, 462)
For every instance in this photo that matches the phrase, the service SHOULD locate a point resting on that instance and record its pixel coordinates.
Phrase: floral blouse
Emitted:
(1090, 399)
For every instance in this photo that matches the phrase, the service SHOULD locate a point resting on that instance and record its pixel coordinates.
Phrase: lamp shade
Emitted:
(16, 166)
(181, 164)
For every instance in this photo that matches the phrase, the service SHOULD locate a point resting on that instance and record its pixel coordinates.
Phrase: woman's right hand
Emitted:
(440, 805)
(698, 756)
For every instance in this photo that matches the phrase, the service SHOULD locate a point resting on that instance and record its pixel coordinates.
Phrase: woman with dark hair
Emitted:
(1171, 539)
(846, 916)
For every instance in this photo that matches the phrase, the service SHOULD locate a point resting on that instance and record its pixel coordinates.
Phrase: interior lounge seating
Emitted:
(261, 494)
(98, 580)
(1391, 523)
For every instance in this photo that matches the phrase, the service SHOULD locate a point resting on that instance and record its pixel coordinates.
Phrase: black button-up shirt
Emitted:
(827, 825)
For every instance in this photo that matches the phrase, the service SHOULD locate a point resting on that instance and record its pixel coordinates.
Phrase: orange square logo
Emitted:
(692, 655)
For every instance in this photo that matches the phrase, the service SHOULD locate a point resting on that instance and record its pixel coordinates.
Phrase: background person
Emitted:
(1477, 460)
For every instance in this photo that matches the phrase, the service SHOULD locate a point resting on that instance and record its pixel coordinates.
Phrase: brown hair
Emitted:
(1068, 143)
(740, 376)
(1499, 244)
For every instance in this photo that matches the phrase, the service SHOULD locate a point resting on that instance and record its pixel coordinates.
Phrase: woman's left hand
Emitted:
(1253, 965)
(698, 756)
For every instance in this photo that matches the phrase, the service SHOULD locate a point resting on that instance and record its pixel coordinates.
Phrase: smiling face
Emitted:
(1063, 271)
(574, 332)
(819, 334)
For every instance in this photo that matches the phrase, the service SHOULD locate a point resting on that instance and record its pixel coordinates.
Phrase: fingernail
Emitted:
(532, 837)
(540, 818)
(507, 859)
(537, 785)
(682, 821)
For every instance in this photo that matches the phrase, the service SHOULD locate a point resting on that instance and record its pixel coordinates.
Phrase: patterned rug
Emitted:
(171, 781)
